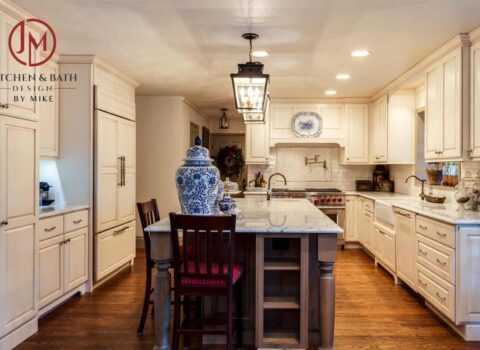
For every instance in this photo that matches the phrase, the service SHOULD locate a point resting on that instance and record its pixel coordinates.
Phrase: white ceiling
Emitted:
(189, 47)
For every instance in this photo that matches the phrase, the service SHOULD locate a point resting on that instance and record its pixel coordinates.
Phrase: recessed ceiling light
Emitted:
(343, 76)
(330, 92)
(360, 53)
(259, 53)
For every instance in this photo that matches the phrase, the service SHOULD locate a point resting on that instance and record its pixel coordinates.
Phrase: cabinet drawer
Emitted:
(439, 293)
(74, 221)
(436, 257)
(50, 227)
(114, 248)
(368, 205)
(439, 232)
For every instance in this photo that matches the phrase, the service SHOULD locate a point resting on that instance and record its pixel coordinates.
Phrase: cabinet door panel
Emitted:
(434, 112)
(108, 171)
(76, 258)
(48, 114)
(50, 265)
(126, 193)
(21, 104)
(18, 285)
(351, 219)
(452, 112)
(389, 251)
(406, 253)
(475, 113)
(257, 148)
(357, 138)
(368, 230)
(18, 171)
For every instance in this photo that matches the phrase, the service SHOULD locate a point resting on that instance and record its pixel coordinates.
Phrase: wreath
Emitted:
(230, 160)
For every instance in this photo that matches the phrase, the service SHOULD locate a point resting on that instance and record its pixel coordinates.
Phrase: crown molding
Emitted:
(460, 40)
(342, 100)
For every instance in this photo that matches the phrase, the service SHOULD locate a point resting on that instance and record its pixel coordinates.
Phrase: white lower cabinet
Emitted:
(384, 245)
(63, 258)
(114, 248)
(405, 244)
(351, 222)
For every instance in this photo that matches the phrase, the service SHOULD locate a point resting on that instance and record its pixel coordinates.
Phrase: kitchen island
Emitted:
(288, 241)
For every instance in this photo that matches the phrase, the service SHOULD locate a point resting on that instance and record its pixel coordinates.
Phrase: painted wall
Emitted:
(163, 135)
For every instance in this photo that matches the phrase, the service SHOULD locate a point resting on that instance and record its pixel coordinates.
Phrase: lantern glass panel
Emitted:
(250, 93)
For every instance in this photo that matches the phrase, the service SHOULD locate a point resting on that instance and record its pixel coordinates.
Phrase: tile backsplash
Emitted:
(291, 163)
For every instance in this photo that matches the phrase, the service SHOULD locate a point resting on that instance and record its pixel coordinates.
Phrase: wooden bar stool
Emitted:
(207, 270)
(149, 214)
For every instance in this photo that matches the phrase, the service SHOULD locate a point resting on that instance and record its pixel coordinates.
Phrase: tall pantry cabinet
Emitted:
(103, 109)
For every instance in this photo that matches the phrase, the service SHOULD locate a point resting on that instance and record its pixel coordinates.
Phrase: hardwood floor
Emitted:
(371, 313)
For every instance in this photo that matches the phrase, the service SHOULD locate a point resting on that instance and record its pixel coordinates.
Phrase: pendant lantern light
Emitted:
(224, 123)
(250, 88)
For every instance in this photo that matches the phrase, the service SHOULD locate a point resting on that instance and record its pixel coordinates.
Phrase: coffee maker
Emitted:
(46, 196)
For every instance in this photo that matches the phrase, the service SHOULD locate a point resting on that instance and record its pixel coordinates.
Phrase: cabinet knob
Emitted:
(4, 105)
(470, 151)
(3, 223)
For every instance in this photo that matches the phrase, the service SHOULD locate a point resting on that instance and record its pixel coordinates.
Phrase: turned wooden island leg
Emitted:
(327, 252)
(162, 305)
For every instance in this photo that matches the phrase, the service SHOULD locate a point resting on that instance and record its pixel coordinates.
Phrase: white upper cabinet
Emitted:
(393, 129)
(445, 94)
(475, 102)
(256, 144)
(333, 120)
(356, 148)
(48, 113)
(379, 130)
(114, 93)
(15, 103)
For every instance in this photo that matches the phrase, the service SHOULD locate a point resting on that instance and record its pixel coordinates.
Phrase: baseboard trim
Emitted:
(19, 335)
(53, 305)
(469, 332)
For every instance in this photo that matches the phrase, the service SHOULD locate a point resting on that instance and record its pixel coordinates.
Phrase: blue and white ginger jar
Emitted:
(198, 182)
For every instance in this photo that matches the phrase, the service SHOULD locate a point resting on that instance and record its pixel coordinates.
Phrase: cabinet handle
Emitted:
(66, 241)
(443, 235)
(470, 151)
(422, 252)
(4, 105)
(422, 227)
(121, 230)
(50, 229)
(402, 214)
(76, 222)
(121, 173)
(123, 170)
(3, 223)
(423, 284)
(443, 263)
(440, 297)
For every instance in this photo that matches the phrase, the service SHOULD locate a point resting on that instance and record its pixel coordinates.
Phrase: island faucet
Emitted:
(269, 191)
(422, 194)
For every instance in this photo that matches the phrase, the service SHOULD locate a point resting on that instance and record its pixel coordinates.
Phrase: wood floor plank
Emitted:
(371, 313)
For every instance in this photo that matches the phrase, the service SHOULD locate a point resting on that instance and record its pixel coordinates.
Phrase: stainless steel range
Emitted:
(331, 201)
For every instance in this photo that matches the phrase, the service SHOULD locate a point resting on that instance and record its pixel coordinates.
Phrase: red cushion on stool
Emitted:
(188, 281)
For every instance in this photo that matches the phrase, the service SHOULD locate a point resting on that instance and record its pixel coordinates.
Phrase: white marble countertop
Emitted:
(263, 193)
(443, 212)
(52, 210)
(257, 215)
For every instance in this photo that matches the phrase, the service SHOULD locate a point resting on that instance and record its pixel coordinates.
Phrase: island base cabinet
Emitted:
(113, 249)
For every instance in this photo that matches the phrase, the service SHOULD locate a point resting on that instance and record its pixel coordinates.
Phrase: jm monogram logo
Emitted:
(24, 45)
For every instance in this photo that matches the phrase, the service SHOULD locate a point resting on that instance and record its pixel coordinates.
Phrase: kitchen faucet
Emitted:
(269, 191)
(422, 194)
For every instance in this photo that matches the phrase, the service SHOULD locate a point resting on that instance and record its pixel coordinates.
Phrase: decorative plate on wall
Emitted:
(307, 124)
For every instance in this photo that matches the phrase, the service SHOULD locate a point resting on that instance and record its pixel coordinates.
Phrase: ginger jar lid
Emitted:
(198, 155)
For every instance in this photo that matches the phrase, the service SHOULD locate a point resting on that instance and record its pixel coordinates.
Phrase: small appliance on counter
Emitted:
(386, 186)
(46, 196)
(380, 173)
(363, 185)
